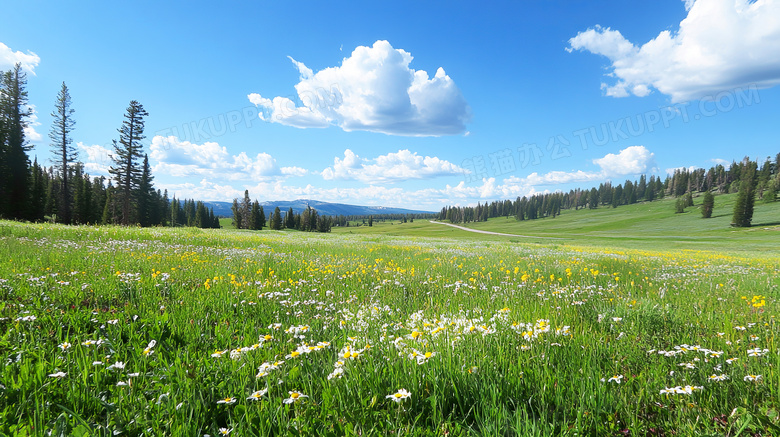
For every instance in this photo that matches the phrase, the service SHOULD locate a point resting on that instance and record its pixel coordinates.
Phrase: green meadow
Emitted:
(628, 321)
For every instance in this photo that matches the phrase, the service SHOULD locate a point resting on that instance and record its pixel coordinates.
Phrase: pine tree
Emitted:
(145, 195)
(62, 149)
(127, 152)
(14, 164)
(261, 217)
(38, 197)
(276, 219)
(743, 207)
(237, 216)
(707, 205)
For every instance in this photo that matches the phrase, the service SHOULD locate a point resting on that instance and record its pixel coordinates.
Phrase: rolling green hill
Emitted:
(646, 225)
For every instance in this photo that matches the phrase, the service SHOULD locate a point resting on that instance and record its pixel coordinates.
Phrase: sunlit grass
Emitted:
(193, 332)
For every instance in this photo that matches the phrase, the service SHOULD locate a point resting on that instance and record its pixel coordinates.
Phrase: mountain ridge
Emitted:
(325, 208)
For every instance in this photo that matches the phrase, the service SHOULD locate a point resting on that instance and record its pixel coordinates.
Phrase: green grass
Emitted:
(650, 225)
(523, 338)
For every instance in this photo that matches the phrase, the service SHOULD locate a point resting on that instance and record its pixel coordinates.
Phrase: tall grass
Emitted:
(152, 328)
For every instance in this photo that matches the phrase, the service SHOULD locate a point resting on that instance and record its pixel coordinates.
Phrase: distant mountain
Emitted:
(324, 208)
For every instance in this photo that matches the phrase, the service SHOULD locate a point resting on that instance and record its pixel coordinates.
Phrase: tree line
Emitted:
(251, 215)
(746, 177)
(64, 192)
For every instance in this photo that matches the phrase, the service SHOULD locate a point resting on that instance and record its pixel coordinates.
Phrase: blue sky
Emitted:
(413, 104)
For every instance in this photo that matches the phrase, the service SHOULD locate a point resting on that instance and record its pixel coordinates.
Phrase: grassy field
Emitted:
(652, 225)
(402, 329)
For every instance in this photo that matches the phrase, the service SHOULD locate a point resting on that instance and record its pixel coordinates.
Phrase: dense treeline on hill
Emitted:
(746, 177)
(251, 215)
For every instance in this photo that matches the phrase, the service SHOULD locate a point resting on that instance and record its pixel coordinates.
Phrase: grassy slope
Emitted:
(652, 225)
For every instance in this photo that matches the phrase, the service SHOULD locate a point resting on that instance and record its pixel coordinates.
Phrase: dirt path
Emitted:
(489, 232)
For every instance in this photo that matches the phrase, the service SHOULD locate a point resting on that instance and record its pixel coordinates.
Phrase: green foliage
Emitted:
(707, 204)
(743, 207)
(679, 205)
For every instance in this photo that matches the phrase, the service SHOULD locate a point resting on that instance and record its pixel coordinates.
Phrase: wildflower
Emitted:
(113, 322)
(119, 365)
(257, 395)
(731, 360)
(740, 328)
(88, 343)
(218, 353)
(65, 346)
(399, 396)
(338, 372)
(148, 351)
(616, 378)
(58, 375)
(225, 431)
(227, 401)
(718, 378)
(757, 352)
(423, 358)
(295, 396)
(752, 378)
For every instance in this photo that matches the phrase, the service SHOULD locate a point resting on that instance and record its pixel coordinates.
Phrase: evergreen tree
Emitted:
(679, 205)
(707, 205)
(743, 207)
(770, 195)
(62, 149)
(146, 195)
(237, 217)
(14, 164)
(276, 219)
(290, 219)
(254, 217)
(38, 198)
(261, 218)
(127, 152)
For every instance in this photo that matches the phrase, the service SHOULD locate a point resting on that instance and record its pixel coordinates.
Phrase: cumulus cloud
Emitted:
(9, 58)
(185, 159)
(373, 89)
(721, 45)
(629, 161)
(723, 162)
(97, 158)
(393, 167)
(29, 131)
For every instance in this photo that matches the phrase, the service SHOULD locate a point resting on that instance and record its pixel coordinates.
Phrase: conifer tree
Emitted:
(743, 207)
(14, 164)
(127, 152)
(62, 149)
(707, 205)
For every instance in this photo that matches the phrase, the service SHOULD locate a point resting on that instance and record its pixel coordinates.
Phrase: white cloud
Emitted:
(373, 90)
(29, 132)
(393, 167)
(185, 159)
(97, 158)
(9, 58)
(379, 195)
(723, 162)
(629, 161)
(670, 171)
(721, 45)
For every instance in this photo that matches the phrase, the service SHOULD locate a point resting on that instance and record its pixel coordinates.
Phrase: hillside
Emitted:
(646, 225)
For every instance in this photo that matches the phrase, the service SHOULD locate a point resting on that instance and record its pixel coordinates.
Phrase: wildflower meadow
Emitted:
(128, 331)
